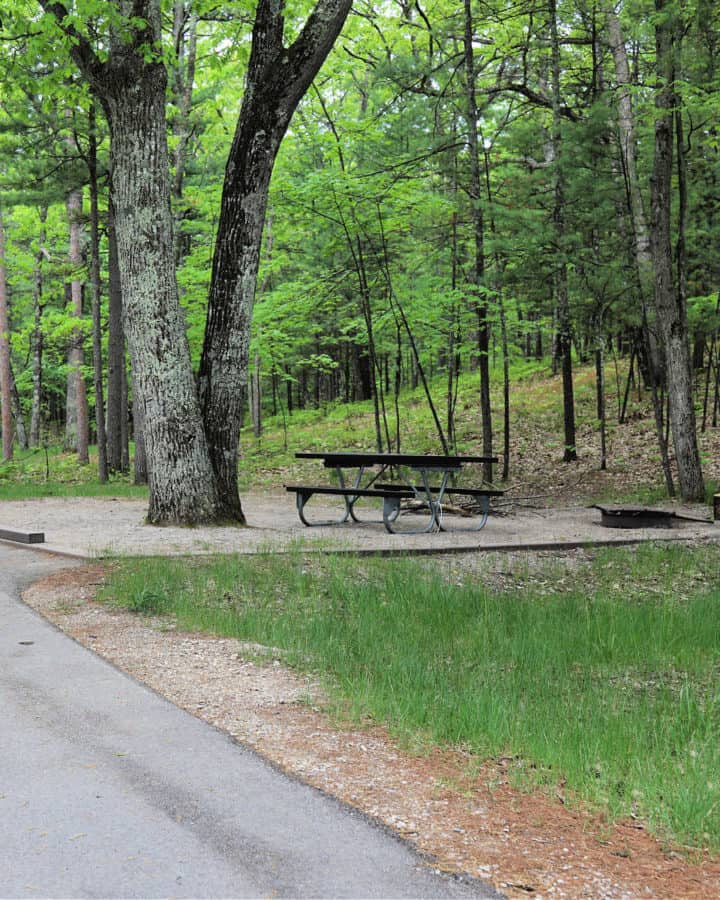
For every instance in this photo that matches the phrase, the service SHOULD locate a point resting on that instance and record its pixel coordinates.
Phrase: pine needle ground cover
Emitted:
(599, 677)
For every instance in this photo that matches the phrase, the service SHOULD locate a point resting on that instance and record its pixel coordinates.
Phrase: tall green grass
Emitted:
(606, 679)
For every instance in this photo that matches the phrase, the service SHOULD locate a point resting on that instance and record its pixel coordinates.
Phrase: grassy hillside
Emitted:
(537, 474)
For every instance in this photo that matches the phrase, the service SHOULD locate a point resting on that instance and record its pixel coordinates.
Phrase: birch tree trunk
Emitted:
(635, 202)
(277, 78)
(5, 378)
(669, 301)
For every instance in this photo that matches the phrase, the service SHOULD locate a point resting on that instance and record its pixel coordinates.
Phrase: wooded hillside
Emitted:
(454, 186)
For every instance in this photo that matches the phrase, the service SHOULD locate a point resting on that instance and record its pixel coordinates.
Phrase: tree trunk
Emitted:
(185, 20)
(76, 420)
(20, 432)
(277, 78)
(96, 296)
(131, 85)
(564, 326)
(37, 336)
(671, 310)
(477, 269)
(256, 397)
(140, 463)
(5, 386)
(117, 411)
(638, 218)
(182, 486)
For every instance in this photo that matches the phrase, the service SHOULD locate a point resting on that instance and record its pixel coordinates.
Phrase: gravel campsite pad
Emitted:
(95, 527)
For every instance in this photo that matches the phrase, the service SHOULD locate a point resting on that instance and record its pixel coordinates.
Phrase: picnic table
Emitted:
(424, 478)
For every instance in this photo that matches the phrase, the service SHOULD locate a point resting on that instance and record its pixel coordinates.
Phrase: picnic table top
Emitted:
(414, 460)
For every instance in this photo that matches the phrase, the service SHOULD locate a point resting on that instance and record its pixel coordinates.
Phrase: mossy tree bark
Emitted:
(131, 85)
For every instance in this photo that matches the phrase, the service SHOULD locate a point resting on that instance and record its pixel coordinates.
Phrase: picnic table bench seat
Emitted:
(391, 498)
(468, 491)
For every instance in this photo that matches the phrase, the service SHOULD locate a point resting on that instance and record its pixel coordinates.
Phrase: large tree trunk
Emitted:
(669, 301)
(131, 85)
(5, 378)
(277, 78)
(182, 486)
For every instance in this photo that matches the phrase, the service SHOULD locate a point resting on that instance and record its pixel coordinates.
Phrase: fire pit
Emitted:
(625, 517)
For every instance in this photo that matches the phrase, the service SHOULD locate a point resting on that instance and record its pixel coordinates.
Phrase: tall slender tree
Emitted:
(5, 375)
(669, 299)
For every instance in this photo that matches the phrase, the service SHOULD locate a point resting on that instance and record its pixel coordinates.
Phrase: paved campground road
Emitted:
(107, 790)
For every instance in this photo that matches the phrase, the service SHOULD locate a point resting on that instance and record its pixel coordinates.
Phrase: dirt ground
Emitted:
(468, 819)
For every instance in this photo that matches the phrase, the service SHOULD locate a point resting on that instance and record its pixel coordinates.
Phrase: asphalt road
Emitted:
(108, 790)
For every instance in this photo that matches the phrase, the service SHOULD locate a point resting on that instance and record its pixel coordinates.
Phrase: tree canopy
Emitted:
(455, 183)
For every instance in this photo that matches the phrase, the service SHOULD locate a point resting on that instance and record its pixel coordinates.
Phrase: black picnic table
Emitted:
(427, 483)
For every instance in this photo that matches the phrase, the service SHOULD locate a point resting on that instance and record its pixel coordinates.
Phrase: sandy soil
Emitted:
(92, 527)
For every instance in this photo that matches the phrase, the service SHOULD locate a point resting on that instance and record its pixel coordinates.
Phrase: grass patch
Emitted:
(51, 472)
(613, 689)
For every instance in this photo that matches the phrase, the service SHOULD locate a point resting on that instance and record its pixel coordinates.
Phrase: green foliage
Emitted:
(370, 213)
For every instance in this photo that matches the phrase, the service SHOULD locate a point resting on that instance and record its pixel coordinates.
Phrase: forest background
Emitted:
(460, 191)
